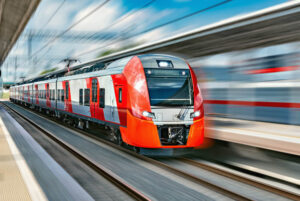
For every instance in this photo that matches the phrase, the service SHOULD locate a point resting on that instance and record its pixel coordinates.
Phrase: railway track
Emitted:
(134, 193)
(239, 178)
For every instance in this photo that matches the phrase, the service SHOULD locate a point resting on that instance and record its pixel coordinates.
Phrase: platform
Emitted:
(27, 171)
(12, 185)
(277, 137)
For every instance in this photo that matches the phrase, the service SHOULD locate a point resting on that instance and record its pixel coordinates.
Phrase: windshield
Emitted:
(169, 87)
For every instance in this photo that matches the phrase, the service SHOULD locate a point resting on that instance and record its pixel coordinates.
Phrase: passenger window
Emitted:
(67, 90)
(120, 95)
(86, 97)
(102, 98)
(48, 92)
(94, 90)
(58, 94)
(80, 96)
(62, 95)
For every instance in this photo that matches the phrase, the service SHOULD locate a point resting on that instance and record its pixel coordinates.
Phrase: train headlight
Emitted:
(195, 114)
(149, 114)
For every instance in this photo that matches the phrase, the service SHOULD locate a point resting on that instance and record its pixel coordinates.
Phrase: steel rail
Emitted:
(239, 178)
(106, 173)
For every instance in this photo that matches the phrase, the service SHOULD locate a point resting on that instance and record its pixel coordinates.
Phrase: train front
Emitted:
(165, 105)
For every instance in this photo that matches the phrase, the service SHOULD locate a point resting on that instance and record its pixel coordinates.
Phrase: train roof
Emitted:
(101, 68)
(153, 61)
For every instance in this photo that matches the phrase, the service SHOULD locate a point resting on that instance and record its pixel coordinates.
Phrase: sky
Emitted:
(119, 18)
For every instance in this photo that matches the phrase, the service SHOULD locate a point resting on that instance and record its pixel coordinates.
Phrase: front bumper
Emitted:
(144, 133)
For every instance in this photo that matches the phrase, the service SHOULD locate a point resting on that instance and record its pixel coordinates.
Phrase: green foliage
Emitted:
(48, 71)
(111, 51)
(107, 52)
(5, 95)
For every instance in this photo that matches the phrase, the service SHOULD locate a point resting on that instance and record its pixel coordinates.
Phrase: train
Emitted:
(146, 101)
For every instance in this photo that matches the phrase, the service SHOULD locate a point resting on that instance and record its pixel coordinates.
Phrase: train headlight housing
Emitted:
(195, 114)
(149, 114)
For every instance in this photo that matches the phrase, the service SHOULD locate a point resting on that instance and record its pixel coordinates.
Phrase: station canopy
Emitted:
(14, 15)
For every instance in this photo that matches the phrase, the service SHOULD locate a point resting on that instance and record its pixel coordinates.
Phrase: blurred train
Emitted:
(149, 101)
(259, 89)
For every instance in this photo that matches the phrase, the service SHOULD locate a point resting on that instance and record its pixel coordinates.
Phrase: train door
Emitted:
(36, 94)
(120, 91)
(29, 94)
(32, 93)
(67, 101)
(56, 94)
(94, 97)
(47, 96)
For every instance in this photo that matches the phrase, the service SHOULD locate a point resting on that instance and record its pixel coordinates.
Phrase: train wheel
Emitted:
(136, 149)
(117, 138)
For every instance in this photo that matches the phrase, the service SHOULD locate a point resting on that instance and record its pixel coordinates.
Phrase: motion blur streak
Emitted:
(260, 84)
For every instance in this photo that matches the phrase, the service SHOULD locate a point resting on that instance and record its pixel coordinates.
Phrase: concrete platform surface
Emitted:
(277, 137)
(12, 179)
(28, 172)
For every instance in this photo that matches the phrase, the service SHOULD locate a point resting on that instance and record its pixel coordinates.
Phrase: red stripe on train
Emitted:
(273, 70)
(253, 103)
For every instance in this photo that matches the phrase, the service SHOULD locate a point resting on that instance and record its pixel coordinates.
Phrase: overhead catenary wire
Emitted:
(124, 17)
(161, 25)
(54, 13)
(72, 26)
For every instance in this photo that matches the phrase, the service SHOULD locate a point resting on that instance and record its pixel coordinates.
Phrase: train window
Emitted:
(58, 95)
(120, 95)
(94, 90)
(48, 92)
(80, 96)
(62, 93)
(86, 97)
(160, 92)
(67, 90)
(102, 98)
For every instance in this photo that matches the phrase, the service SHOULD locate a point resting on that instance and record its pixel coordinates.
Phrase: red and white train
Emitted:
(148, 101)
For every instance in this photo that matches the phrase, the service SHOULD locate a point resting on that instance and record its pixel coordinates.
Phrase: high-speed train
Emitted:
(148, 101)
